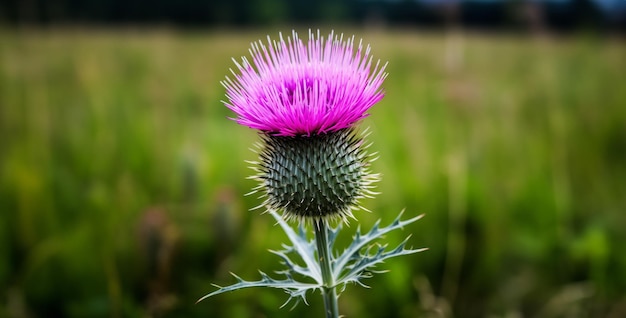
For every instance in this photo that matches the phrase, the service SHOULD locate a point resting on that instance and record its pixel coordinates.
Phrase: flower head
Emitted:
(292, 88)
(305, 100)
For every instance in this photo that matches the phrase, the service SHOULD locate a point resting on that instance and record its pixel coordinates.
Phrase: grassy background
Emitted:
(122, 181)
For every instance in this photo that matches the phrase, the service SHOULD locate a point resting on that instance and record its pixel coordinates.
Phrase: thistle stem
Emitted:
(323, 254)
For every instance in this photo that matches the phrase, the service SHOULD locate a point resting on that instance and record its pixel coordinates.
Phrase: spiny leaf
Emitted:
(357, 262)
(289, 285)
(360, 240)
(302, 247)
(292, 267)
(368, 261)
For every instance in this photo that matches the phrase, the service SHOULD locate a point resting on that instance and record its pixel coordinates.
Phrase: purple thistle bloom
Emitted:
(293, 88)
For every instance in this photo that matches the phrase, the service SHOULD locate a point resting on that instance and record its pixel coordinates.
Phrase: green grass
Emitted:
(122, 182)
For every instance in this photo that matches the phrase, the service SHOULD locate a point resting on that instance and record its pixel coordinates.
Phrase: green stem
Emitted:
(328, 291)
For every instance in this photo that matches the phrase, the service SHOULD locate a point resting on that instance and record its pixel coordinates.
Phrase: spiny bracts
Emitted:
(317, 176)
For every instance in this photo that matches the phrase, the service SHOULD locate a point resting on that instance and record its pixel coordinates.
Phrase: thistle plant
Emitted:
(306, 99)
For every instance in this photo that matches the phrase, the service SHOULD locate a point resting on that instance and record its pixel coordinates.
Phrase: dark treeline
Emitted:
(192, 13)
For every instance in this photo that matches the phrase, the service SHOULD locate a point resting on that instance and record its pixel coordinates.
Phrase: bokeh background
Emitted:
(122, 180)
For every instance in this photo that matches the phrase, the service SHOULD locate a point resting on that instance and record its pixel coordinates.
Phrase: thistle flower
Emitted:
(305, 99)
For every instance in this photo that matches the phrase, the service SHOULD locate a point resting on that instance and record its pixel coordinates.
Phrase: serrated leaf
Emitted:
(292, 267)
(367, 261)
(357, 262)
(359, 241)
(289, 285)
(302, 247)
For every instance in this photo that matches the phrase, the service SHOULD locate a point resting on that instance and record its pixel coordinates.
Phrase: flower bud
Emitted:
(317, 176)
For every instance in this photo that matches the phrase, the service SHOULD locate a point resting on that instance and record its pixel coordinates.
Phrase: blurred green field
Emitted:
(122, 182)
